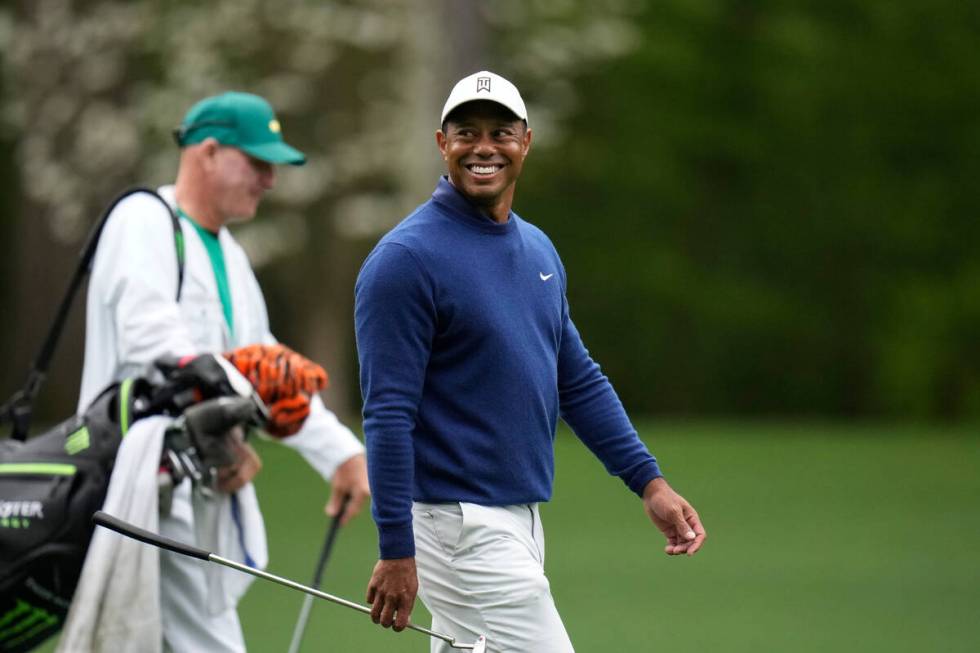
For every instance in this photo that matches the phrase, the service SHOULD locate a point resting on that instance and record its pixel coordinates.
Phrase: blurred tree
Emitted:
(95, 87)
(764, 207)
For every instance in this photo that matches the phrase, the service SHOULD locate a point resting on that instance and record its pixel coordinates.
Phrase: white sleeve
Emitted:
(139, 265)
(323, 441)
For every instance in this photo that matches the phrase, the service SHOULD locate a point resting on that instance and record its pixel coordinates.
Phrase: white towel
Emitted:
(116, 608)
(242, 540)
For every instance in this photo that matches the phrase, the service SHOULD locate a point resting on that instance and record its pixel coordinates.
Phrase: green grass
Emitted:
(822, 537)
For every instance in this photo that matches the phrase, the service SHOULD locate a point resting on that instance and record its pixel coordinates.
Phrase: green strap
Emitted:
(213, 245)
(179, 243)
(125, 390)
(55, 469)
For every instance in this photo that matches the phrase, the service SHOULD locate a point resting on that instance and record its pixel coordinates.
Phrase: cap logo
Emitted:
(483, 84)
(274, 126)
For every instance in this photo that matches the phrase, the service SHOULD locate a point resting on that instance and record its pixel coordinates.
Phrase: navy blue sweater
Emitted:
(467, 357)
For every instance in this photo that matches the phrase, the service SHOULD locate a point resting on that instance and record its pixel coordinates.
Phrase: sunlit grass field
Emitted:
(822, 537)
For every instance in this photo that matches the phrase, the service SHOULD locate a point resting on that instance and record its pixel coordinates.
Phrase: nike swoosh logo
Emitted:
(545, 277)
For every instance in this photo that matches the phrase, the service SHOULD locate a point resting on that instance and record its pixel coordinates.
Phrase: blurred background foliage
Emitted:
(764, 207)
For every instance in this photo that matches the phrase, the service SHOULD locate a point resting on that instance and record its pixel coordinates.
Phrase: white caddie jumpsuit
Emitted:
(132, 317)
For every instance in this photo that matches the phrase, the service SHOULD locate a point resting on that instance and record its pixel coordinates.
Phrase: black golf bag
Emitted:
(51, 484)
(49, 487)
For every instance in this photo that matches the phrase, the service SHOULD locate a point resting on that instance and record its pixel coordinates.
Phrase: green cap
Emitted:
(239, 120)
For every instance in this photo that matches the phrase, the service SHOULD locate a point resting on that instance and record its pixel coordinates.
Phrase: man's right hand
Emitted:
(391, 592)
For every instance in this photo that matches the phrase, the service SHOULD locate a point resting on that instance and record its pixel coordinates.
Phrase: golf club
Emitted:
(304, 613)
(113, 523)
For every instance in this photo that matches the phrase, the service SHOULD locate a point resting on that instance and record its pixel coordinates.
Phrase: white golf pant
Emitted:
(481, 572)
(188, 626)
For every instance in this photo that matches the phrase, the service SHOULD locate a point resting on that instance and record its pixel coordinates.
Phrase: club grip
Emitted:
(127, 529)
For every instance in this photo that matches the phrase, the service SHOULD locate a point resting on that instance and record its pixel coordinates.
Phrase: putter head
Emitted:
(479, 646)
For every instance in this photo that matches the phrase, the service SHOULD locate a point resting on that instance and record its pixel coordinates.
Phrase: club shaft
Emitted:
(258, 573)
(114, 523)
(304, 617)
(321, 564)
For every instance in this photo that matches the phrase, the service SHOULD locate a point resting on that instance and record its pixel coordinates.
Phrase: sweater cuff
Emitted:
(398, 542)
(642, 476)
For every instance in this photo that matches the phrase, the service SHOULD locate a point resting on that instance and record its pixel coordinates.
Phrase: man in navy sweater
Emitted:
(468, 357)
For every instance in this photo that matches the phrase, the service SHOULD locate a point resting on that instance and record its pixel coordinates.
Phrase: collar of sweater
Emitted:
(459, 208)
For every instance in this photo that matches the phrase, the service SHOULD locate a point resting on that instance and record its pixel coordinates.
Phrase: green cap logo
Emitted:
(239, 120)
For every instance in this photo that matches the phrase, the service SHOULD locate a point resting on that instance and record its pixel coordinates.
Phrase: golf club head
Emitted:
(480, 645)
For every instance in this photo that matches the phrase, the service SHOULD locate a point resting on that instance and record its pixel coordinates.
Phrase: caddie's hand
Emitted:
(391, 592)
(350, 480)
(675, 517)
(236, 475)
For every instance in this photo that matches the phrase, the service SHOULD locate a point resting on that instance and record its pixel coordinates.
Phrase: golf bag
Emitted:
(51, 484)
(49, 487)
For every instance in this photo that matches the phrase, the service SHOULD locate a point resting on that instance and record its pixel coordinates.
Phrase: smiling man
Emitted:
(468, 357)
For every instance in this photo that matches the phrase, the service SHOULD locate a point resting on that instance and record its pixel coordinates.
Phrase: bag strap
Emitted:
(19, 407)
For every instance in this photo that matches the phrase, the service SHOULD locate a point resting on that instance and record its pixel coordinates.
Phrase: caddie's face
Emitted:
(484, 146)
(239, 182)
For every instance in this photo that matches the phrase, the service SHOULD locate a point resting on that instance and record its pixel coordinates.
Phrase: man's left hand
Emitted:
(675, 517)
(350, 480)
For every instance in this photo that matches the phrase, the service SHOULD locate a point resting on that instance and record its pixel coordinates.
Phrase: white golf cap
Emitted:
(486, 85)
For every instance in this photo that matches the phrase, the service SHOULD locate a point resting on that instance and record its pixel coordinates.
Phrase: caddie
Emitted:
(468, 357)
(230, 148)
